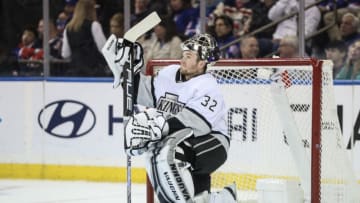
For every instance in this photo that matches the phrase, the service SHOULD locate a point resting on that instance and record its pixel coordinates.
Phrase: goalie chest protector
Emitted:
(200, 95)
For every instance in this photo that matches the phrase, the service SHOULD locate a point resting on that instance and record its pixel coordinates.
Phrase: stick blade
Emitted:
(142, 27)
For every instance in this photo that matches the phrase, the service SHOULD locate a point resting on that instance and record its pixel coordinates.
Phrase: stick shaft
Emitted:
(128, 101)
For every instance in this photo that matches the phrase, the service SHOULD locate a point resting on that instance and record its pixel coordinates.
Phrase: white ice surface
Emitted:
(45, 191)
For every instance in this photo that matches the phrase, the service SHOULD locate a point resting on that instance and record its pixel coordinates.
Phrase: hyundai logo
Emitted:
(67, 119)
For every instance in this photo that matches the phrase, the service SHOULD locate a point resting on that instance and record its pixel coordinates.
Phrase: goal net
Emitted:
(283, 124)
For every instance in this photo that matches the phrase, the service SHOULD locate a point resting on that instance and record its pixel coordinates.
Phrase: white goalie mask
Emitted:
(205, 45)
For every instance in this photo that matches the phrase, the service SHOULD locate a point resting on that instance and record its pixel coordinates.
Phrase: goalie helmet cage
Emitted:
(283, 125)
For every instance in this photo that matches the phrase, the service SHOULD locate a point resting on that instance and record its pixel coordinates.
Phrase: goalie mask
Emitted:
(205, 45)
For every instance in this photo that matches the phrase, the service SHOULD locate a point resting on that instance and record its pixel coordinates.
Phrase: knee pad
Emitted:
(171, 178)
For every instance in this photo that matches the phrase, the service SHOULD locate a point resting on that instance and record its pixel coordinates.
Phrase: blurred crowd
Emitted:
(78, 29)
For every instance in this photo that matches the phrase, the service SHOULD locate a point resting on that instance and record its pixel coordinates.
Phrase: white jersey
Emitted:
(196, 103)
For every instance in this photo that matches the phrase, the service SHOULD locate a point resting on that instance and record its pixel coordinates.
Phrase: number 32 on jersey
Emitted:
(209, 103)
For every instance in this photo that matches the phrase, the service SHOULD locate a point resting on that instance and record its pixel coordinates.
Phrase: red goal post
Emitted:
(287, 120)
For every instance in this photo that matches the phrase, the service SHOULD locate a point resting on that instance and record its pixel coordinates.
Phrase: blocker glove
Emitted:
(142, 129)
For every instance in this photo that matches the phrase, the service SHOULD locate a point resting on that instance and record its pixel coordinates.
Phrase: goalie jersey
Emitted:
(196, 103)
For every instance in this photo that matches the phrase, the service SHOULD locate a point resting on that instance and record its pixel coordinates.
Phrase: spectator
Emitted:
(14, 16)
(166, 43)
(260, 18)
(141, 10)
(249, 47)
(327, 8)
(29, 46)
(83, 40)
(185, 17)
(29, 49)
(69, 8)
(55, 41)
(351, 70)
(248, 16)
(105, 9)
(65, 16)
(224, 35)
(117, 25)
(241, 12)
(336, 52)
(289, 27)
(288, 47)
(349, 28)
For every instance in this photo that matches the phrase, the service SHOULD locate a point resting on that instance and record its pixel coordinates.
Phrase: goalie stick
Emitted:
(128, 99)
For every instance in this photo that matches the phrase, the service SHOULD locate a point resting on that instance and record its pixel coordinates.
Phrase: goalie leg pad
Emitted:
(171, 178)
